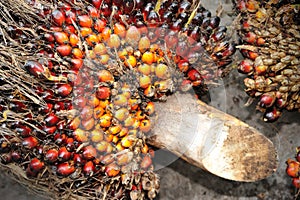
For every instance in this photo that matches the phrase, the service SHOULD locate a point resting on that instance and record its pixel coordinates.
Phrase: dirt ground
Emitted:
(180, 180)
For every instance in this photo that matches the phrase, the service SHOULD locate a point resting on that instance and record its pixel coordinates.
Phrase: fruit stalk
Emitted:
(212, 140)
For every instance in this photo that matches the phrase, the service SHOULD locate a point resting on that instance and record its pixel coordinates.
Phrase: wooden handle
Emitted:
(212, 140)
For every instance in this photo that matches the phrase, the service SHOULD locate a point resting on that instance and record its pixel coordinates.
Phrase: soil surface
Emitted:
(181, 180)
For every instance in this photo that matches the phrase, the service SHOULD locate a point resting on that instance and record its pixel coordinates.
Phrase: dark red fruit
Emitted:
(36, 165)
(24, 131)
(296, 182)
(89, 168)
(103, 92)
(63, 154)
(245, 66)
(194, 75)
(64, 90)
(51, 155)
(271, 115)
(34, 68)
(16, 156)
(51, 120)
(65, 169)
(293, 168)
(89, 152)
(58, 17)
(30, 142)
(267, 99)
(49, 129)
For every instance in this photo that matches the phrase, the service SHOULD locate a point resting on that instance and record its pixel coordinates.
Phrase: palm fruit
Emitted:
(92, 73)
(293, 169)
(270, 43)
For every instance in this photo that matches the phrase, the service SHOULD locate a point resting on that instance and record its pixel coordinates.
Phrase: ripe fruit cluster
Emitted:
(293, 169)
(270, 41)
(99, 67)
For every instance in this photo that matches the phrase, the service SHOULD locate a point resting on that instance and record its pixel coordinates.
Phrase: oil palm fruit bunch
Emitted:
(78, 84)
(293, 169)
(269, 34)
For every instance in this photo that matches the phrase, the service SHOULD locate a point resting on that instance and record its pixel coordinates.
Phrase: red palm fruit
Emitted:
(183, 65)
(58, 17)
(76, 63)
(250, 38)
(30, 173)
(194, 75)
(146, 162)
(85, 21)
(86, 113)
(245, 66)
(89, 152)
(51, 155)
(70, 145)
(55, 28)
(61, 37)
(89, 168)
(74, 124)
(51, 120)
(260, 70)
(106, 9)
(34, 68)
(49, 129)
(64, 90)
(93, 12)
(93, 101)
(88, 124)
(16, 156)
(296, 182)
(133, 36)
(112, 170)
(70, 16)
(298, 155)
(97, 3)
(252, 55)
(293, 168)
(65, 169)
(99, 25)
(30, 142)
(120, 30)
(103, 92)
(271, 114)
(267, 99)
(177, 25)
(69, 29)
(60, 138)
(23, 130)
(79, 102)
(64, 49)
(78, 160)
(58, 106)
(171, 39)
(49, 37)
(152, 19)
(63, 154)
(36, 165)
